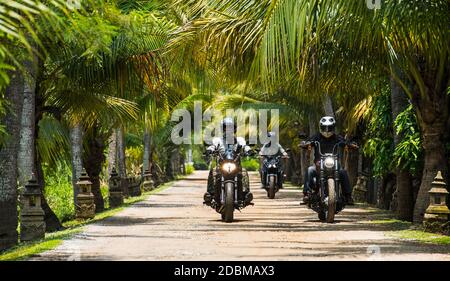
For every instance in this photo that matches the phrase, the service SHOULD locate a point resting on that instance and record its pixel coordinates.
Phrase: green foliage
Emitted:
(134, 157)
(379, 141)
(59, 191)
(250, 164)
(408, 153)
(189, 169)
(379, 138)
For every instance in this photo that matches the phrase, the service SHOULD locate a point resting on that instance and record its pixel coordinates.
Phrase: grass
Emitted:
(407, 231)
(250, 164)
(422, 236)
(52, 240)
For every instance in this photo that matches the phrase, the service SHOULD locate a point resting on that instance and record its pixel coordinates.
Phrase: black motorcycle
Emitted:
(272, 174)
(230, 180)
(327, 199)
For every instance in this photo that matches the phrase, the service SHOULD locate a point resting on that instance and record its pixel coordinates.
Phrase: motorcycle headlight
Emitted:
(329, 162)
(229, 167)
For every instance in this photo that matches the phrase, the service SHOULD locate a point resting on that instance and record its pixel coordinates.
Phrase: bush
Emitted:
(201, 166)
(250, 164)
(189, 169)
(59, 192)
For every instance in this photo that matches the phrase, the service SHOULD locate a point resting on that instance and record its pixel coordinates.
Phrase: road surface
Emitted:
(174, 225)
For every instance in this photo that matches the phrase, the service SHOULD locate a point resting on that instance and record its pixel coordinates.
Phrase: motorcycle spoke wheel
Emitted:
(331, 208)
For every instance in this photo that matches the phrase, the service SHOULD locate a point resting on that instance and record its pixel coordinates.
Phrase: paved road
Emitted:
(174, 225)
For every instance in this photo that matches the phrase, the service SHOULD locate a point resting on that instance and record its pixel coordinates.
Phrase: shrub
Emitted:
(201, 166)
(59, 192)
(250, 164)
(189, 169)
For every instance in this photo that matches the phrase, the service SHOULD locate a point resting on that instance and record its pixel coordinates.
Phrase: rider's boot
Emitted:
(305, 198)
(248, 198)
(207, 198)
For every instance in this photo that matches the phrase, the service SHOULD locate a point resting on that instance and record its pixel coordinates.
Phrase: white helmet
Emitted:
(327, 126)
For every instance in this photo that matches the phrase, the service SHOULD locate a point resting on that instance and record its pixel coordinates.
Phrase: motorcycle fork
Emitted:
(236, 191)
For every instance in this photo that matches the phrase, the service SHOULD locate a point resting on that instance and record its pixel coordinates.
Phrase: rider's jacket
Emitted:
(326, 144)
(220, 144)
(272, 150)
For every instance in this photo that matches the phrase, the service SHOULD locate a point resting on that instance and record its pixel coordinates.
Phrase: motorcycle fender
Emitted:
(268, 177)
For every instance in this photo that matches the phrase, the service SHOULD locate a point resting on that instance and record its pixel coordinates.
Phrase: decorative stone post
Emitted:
(134, 186)
(360, 190)
(124, 186)
(115, 190)
(32, 224)
(148, 183)
(85, 208)
(437, 211)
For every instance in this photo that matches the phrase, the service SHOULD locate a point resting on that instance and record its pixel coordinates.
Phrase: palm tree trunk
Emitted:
(146, 157)
(112, 152)
(327, 105)
(432, 114)
(8, 162)
(76, 141)
(351, 165)
(313, 127)
(405, 200)
(121, 161)
(25, 158)
(52, 222)
(93, 161)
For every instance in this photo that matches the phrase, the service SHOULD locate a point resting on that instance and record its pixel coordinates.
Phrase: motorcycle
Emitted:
(327, 199)
(229, 180)
(272, 173)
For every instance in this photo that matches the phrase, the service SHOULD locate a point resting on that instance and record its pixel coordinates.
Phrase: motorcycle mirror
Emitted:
(302, 135)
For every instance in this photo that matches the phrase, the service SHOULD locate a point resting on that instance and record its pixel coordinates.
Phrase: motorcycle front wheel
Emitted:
(228, 210)
(331, 200)
(271, 190)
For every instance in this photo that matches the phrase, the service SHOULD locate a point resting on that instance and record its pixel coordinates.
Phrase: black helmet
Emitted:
(228, 125)
(327, 126)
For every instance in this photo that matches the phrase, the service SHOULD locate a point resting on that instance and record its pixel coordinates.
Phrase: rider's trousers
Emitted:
(312, 176)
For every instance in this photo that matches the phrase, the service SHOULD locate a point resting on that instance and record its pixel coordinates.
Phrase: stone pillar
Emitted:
(360, 190)
(32, 224)
(85, 207)
(148, 183)
(125, 187)
(115, 190)
(134, 186)
(437, 211)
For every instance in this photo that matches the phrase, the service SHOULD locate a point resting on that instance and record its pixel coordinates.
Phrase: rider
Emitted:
(228, 138)
(327, 139)
(273, 151)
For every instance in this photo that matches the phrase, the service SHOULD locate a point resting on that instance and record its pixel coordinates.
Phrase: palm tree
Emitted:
(20, 21)
(322, 46)
(8, 163)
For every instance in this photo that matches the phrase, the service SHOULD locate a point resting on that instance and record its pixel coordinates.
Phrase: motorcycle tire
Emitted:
(228, 210)
(331, 211)
(271, 189)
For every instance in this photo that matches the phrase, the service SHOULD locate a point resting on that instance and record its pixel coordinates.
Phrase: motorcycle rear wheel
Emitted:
(228, 210)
